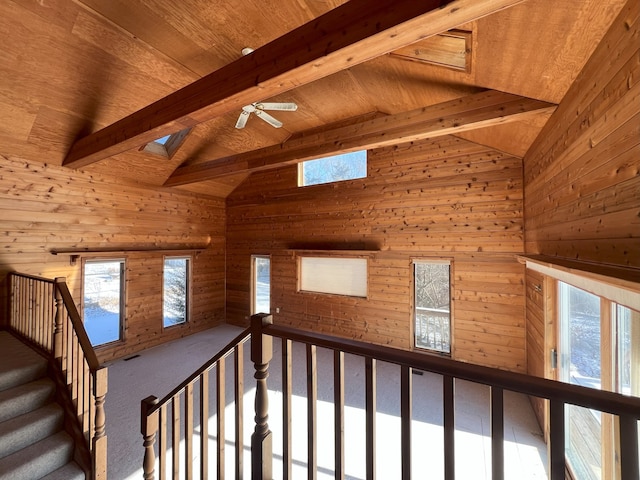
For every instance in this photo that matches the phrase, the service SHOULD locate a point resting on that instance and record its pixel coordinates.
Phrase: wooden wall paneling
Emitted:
(581, 174)
(47, 207)
(410, 205)
(536, 328)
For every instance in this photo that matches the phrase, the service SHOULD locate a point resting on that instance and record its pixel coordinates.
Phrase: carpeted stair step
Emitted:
(38, 460)
(25, 398)
(19, 364)
(24, 430)
(71, 471)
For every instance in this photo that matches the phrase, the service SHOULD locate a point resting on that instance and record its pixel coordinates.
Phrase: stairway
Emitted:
(33, 442)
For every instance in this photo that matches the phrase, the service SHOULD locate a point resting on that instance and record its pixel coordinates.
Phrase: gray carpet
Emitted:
(33, 444)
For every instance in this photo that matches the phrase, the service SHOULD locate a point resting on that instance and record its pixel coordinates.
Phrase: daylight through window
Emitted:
(347, 166)
(432, 305)
(261, 285)
(103, 291)
(175, 298)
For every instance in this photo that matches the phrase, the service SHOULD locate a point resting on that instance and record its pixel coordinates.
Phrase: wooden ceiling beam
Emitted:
(348, 35)
(467, 113)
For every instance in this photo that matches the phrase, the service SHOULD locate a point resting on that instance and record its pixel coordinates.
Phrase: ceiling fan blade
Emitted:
(282, 106)
(269, 119)
(242, 119)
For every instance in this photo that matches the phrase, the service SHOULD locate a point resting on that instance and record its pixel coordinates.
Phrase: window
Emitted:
(598, 348)
(103, 300)
(168, 145)
(260, 284)
(580, 364)
(348, 166)
(432, 305)
(175, 293)
(334, 275)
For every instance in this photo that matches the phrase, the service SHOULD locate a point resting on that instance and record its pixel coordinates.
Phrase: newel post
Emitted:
(149, 429)
(99, 443)
(57, 328)
(261, 440)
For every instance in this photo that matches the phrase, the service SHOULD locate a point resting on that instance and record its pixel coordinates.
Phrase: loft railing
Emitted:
(559, 394)
(43, 311)
(173, 421)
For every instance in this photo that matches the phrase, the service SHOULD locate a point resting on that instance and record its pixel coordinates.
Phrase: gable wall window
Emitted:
(175, 292)
(103, 300)
(432, 305)
(347, 166)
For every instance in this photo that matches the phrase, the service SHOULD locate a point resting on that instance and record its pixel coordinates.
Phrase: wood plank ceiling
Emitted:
(69, 69)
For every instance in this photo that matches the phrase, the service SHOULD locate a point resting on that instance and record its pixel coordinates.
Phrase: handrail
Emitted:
(155, 419)
(535, 386)
(33, 277)
(78, 325)
(225, 351)
(179, 403)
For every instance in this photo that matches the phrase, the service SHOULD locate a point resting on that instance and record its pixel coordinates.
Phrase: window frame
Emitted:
(615, 287)
(300, 287)
(122, 296)
(254, 281)
(187, 299)
(415, 347)
(301, 167)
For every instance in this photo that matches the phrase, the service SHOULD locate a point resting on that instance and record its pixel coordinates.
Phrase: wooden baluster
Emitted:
(629, 468)
(449, 428)
(556, 440)
(220, 404)
(204, 425)
(99, 446)
(338, 404)
(497, 433)
(287, 388)
(175, 437)
(406, 390)
(162, 448)
(261, 440)
(312, 413)
(188, 431)
(148, 428)
(58, 331)
(239, 420)
(370, 401)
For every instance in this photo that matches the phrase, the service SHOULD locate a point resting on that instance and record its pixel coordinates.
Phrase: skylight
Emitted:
(163, 140)
(168, 145)
(347, 166)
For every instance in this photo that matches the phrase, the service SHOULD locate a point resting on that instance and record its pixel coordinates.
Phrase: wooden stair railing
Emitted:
(155, 423)
(42, 311)
(559, 394)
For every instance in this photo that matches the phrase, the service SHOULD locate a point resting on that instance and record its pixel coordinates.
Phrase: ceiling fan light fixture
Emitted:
(258, 109)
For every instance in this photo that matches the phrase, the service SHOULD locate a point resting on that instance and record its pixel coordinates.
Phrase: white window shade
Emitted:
(339, 275)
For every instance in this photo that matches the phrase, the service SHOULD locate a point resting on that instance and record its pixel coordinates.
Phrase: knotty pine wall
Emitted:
(48, 207)
(436, 199)
(582, 176)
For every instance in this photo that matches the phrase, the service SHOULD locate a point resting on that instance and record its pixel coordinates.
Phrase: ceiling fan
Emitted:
(259, 108)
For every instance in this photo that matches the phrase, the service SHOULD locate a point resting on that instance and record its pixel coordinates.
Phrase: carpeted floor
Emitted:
(158, 370)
